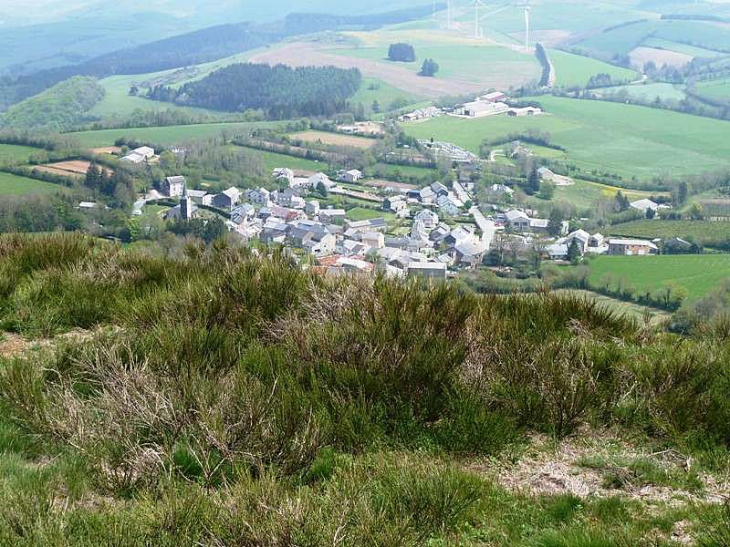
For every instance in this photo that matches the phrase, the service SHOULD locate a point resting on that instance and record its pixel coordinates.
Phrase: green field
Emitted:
(697, 33)
(13, 185)
(575, 70)
(618, 41)
(10, 153)
(118, 102)
(694, 51)
(273, 161)
(699, 274)
(646, 92)
(457, 58)
(715, 89)
(362, 213)
(373, 89)
(704, 232)
(176, 134)
(622, 139)
(585, 193)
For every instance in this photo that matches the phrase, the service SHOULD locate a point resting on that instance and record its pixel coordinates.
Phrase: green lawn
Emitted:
(361, 213)
(273, 161)
(699, 274)
(176, 134)
(575, 70)
(13, 185)
(620, 139)
(705, 232)
(681, 48)
(11, 153)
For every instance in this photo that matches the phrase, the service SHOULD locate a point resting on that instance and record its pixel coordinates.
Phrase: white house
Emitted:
(173, 186)
(427, 270)
(259, 196)
(227, 199)
(558, 180)
(644, 205)
(351, 176)
(429, 218)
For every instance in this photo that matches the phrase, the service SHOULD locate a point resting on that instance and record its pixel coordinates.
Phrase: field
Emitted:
(72, 168)
(718, 90)
(13, 185)
(621, 139)
(385, 94)
(704, 232)
(646, 92)
(575, 70)
(699, 274)
(642, 55)
(273, 161)
(335, 139)
(585, 193)
(11, 153)
(176, 134)
(687, 38)
(459, 58)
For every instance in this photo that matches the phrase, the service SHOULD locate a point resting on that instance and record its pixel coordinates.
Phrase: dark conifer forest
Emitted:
(280, 91)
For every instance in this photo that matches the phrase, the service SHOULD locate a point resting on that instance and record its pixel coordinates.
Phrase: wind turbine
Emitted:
(448, 14)
(527, 9)
(477, 4)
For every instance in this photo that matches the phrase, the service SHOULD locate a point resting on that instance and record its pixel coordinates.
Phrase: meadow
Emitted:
(575, 71)
(213, 397)
(176, 134)
(373, 89)
(584, 194)
(460, 58)
(619, 139)
(10, 153)
(706, 233)
(718, 90)
(698, 274)
(646, 92)
(13, 185)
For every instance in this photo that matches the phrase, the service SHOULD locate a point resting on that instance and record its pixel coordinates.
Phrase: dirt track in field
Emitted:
(303, 54)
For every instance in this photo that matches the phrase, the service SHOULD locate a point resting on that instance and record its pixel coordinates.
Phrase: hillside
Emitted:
(57, 108)
(216, 397)
(200, 46)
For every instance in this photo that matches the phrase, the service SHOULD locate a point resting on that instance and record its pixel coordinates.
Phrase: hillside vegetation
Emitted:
(58, 108)
(214, 397)
(280, 91)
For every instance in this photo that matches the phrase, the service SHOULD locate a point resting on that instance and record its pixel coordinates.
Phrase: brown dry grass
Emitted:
(660, 57)
(335, 139)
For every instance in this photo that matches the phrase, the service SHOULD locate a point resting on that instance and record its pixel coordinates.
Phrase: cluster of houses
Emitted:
(493, 104)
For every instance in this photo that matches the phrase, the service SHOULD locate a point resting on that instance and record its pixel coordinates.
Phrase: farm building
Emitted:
(481, 109)
(526, 111)
(428, 270)
(631, 247)
(351, 176)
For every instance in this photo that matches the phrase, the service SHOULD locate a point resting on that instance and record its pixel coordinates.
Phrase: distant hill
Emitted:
(57, 108)
(196, 47)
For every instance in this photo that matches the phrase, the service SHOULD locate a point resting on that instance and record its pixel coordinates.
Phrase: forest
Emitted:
(281, 92)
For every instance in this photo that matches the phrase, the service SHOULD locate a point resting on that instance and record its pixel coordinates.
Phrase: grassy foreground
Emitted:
(212, 397)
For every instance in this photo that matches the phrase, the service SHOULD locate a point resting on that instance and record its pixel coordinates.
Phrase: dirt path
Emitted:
(303, 54)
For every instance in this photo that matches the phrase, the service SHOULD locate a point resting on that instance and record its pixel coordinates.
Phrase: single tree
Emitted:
(429, 68)
(574, 252)
(403, 53)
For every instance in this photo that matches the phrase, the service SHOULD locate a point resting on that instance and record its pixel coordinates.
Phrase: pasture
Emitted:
(718, 90)
(698, 274)
(385, 94)
(613, 138)
(575, 70)
(175, 134)
(12, 154)
(272, 161)
(646, 92)
(584, 194)
(13, 185)
(705, 232)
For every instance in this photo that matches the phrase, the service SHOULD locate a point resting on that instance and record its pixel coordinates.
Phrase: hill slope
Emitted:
(58, 108)
(219, 397)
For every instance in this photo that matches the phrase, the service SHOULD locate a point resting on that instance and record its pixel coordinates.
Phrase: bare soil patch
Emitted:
(549, 468)
(111, 150)
(660, 57)
(335, 139)
(73, 168)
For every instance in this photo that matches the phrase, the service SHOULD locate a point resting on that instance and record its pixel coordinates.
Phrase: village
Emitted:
(433, 232)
